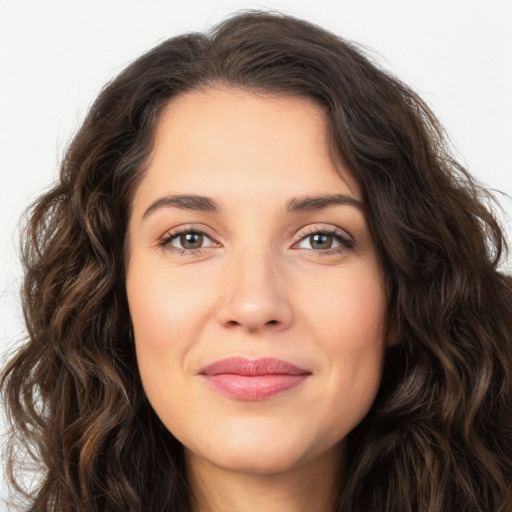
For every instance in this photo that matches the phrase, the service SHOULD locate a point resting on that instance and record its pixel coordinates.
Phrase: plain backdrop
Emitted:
(55, 56)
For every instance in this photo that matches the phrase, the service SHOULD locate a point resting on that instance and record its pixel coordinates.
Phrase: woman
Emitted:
(262, 283)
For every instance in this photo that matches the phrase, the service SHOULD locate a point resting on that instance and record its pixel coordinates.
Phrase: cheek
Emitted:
(348, 311)
(162, 326)
(169, 308)
(348, 315)
(166, 318)
(164, 314)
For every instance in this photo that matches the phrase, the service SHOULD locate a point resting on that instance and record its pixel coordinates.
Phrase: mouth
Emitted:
(252, 380)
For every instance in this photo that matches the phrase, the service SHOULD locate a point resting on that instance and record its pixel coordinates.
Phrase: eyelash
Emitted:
(344, 240)
(165, 241)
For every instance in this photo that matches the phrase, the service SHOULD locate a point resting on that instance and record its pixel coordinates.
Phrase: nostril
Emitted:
(235, 323)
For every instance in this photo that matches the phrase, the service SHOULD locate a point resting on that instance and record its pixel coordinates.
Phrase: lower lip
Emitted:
(254, 387)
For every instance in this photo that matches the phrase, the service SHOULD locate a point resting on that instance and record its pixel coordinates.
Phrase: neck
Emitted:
(312, 487)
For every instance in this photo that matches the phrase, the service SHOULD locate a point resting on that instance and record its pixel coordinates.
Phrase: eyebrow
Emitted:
(313, 203)
(295, 205)
(184, 202)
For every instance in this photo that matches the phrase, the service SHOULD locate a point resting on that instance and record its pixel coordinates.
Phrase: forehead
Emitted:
(234, 142)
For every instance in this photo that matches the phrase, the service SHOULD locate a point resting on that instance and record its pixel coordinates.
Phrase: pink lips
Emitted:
(245, 379)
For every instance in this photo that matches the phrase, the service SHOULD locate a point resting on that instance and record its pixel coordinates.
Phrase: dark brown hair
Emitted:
(439, 435)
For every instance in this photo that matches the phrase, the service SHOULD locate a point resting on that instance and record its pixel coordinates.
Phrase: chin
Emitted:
(258, 452)
(251, 461)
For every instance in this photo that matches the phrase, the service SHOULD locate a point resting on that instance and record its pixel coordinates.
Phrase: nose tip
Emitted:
(255, 299)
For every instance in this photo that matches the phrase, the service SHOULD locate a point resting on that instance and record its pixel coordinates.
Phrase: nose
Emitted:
(255, 296)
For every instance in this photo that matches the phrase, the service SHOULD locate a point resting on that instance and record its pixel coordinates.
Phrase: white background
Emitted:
(56, 55)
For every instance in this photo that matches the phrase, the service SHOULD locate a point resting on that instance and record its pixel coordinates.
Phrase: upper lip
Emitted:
(252, 367)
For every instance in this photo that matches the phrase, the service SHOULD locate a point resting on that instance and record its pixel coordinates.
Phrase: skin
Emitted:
(258, 286)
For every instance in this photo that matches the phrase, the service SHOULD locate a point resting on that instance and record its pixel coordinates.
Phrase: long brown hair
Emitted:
(439, 435)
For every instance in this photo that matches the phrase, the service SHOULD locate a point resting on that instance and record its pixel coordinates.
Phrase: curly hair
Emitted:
(439, 434)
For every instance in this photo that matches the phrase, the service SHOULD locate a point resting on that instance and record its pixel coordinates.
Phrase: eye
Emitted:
(186, 240)
(325, 241)
(319, 241)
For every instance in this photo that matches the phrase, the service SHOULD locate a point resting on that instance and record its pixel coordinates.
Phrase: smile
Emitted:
(253, 380)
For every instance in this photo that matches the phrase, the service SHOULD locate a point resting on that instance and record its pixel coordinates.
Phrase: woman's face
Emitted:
(254, 286)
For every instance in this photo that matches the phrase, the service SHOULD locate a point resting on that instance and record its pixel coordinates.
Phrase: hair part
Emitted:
(439, 435)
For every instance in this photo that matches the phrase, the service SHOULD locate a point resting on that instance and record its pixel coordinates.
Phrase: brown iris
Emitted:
(321, 241)
(191, 240)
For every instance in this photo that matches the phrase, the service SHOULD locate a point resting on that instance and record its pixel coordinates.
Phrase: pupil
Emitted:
(321, 241)
(191, 240)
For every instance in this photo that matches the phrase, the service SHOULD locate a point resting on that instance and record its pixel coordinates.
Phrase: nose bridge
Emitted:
(255, 294)
(255, 271)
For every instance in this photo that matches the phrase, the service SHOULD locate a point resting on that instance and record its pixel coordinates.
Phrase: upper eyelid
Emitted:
(186, 228)
(331, 229)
